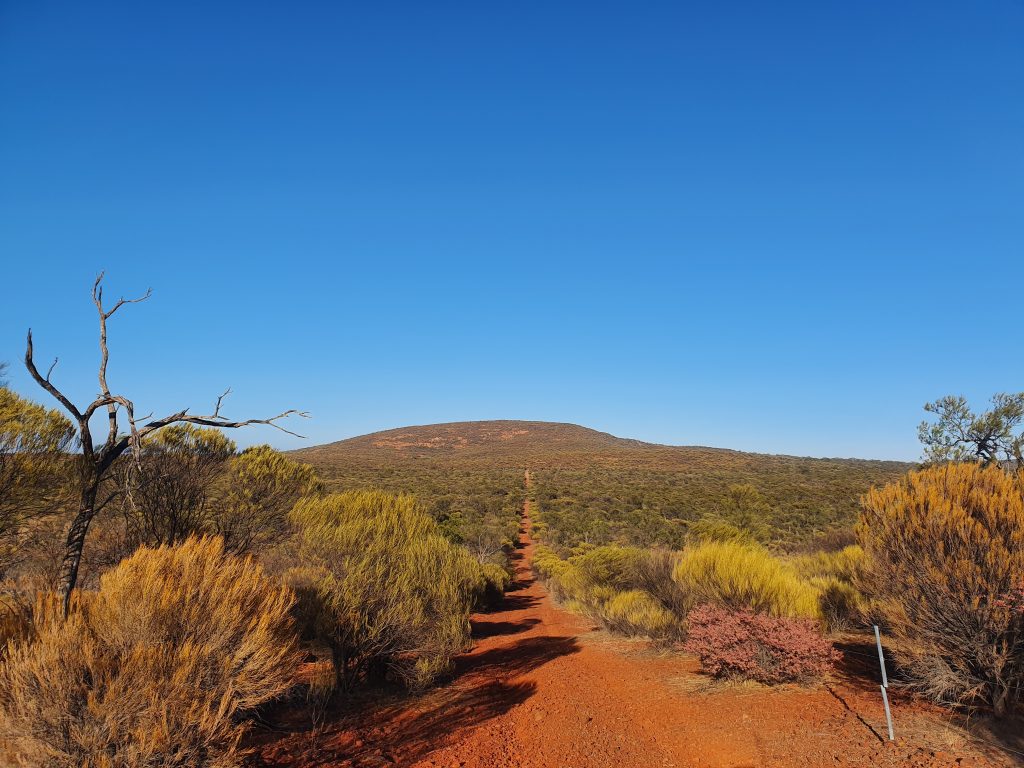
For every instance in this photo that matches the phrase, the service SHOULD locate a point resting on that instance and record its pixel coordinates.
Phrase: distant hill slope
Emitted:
(474, 440)
(595, 483)
(538, 444)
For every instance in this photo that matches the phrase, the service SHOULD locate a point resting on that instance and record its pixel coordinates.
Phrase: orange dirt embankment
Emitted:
(543, 688)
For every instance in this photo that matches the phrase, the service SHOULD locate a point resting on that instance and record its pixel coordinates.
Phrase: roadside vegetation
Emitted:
(935, 559)
(160, 589)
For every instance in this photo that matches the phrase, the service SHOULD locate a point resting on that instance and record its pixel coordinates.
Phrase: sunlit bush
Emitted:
(943, 547)
(834, 575)
(752, 646)
(636, 613)
(742, 576)
(391, 593)
(157, 668)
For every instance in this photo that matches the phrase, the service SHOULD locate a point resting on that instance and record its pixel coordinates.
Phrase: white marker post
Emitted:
(885, 684)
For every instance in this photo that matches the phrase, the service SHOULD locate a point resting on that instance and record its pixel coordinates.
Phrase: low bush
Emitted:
(742, 576)
(716, 529)
(382, 587)
(636, 613)
(943, 547)
(626, 589)
(834, 574)
(157, 668)
(751, 646)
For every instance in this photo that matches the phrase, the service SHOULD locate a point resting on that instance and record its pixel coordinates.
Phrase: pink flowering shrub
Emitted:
(754, 646)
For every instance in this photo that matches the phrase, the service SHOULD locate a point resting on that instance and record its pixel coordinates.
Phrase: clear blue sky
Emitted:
(779, 227)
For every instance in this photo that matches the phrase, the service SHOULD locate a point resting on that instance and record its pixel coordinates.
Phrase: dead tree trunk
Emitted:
(98, 459)
(75, 544)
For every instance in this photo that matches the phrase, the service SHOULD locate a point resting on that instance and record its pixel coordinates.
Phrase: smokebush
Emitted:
(943, 547)
(154, 669)
(751, 646)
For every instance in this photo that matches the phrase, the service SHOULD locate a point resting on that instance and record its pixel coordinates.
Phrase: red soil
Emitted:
(543, 688)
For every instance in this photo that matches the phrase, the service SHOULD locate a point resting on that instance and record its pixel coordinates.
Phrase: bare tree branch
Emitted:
(97, 298)
(45, 382)
(220, 400)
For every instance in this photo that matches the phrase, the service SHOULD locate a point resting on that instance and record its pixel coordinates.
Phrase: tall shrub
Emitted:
(390, 591)
(157, 668)
(943, 547)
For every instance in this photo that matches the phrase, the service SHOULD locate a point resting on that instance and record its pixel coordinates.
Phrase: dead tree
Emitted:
(98, 458)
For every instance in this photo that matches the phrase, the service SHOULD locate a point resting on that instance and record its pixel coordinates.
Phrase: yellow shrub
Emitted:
(156, 668)
(833, 574)
(609, 566)
(393, 593)
(744, 576)
(637, 613)
(843, 564)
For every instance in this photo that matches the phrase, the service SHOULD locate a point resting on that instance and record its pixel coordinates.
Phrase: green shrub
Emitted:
(742, 576)
(494, 581)
(609, 566)
(843, 564)
(391, 592)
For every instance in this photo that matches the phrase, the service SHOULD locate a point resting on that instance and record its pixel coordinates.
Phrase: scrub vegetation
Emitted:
(159, 588)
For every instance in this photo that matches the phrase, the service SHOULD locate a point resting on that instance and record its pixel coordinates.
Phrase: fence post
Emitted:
(885, 684)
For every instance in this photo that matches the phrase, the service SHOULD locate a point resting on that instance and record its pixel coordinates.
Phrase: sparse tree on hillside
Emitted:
(995, 436)
(97, 459)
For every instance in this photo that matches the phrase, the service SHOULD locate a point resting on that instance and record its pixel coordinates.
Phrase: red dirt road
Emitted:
(542, 688)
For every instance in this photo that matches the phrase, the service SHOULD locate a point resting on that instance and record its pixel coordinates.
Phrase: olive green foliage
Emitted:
(743, 576)
(651, 592)
(476, 504)
(669, 497)
(33, 442)
(959, 434)
(943, 547)
(495, 580)
(592, 488)
(262, 487)
(160, 667)
(617, 586)
(635, 612)
(384, 588)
